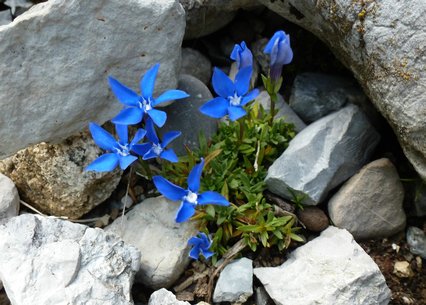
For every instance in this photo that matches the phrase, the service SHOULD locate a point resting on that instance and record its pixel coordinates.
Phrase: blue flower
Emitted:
(155, 148)
(190, 198)
(281, 53)
(232, 96)
(119, 150)
(200, 245)
(138, 105)
(242, 55)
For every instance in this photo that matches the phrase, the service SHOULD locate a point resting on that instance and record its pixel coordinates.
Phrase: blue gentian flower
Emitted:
(119, 151)
(138, 105)
(232, 95)
(242, 55)
(200, 245)
(280, 51)
(190, 197)
(155, 148)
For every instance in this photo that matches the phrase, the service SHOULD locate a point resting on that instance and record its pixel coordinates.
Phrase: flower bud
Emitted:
(242, 55)
(280, 51)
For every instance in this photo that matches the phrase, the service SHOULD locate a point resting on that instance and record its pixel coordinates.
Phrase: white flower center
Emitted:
(145, 104)
(234, 100)
(157, 149)
(191, 197)
(122, 150)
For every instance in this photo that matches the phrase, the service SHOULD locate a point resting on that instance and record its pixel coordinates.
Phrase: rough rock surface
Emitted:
(196, 64)
(53, 180)
(235, 283)
(420, 200)
(332, 269)
(47, 261)
(164, 297)
(369, 204)
(55, 81)
(323, 155)
(9, 199)
(393, 76)
(184, 115)
(416, 240)
(314, 95)
(150, 226)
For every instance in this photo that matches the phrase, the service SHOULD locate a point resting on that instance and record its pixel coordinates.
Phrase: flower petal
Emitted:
(122, 132)
(169, 155)
(236, 112)
(159, 117)
(249, 97)
(128, 116)
(277, 36)
(125, 95)
(125, 161)
(222, 85)
(194, 241)
(168, 189)
(215, 108)
(194, 253)
(242, 80)
(195, 176)
(185, 211)
(104, 163)
(140, 133)
(148, 81)
(210, 197)
(169, 96)
(101, 137)
(141, 149)
(169, 137)
(207, 253)
(150, 131)
(150, 154)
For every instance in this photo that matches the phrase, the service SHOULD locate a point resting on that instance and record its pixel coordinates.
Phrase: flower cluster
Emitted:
(140, 109)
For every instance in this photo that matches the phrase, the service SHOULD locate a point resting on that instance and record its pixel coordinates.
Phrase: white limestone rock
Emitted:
(332, 269)
(323, 155)
(150, 226)
(164, 297)
(47, 261)
(55, 59)
(369, 204)
(9, 199)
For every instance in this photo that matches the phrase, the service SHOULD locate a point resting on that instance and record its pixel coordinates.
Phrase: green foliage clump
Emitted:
(236, 163)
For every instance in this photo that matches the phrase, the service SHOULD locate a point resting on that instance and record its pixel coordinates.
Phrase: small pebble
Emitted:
(416, 240)
(313, 218)
(402, 269)
(127, 201)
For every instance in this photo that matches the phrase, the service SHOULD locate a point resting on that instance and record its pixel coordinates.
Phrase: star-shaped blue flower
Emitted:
(200, 245)
(232, 96)
(139, 105)
(119, 151)
(155, 148)
(190, 197)
(242, 55)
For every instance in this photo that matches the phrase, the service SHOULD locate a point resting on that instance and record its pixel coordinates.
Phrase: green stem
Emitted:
(241, 137)
(147, 169)
(274, 99)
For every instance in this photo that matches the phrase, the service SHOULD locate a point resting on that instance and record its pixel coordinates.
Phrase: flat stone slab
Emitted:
(332, 269)
(56, 57)
(323, 155)
(48, 261)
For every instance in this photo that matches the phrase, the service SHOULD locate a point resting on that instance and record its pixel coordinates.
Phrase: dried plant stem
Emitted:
(124, 201)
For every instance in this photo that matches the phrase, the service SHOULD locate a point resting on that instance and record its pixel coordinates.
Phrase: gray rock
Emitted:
(393, 76)
(9, 199)
(196, 64)
(205, 17)
(314, 95)
(262, 297)
(150, 226)
(332, 269)
(416, 240)
(369, 204)
(323, 155)
(60, 262)
(55, 82)
(235, 283)
(284, 110)
(184, 115)
(51, 177)
(5, 17)
(313, 218)
(164, 297)
(420, 200)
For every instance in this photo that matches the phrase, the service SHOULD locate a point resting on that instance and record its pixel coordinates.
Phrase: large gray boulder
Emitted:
(47, 261)
(385, 52)
(51, 177)
(55, 59)
(323, 155)
(369, 204)
(332, 269)
(150, 227)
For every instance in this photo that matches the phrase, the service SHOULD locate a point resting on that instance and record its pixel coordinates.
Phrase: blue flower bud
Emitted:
(280, 51)
(242, 55)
